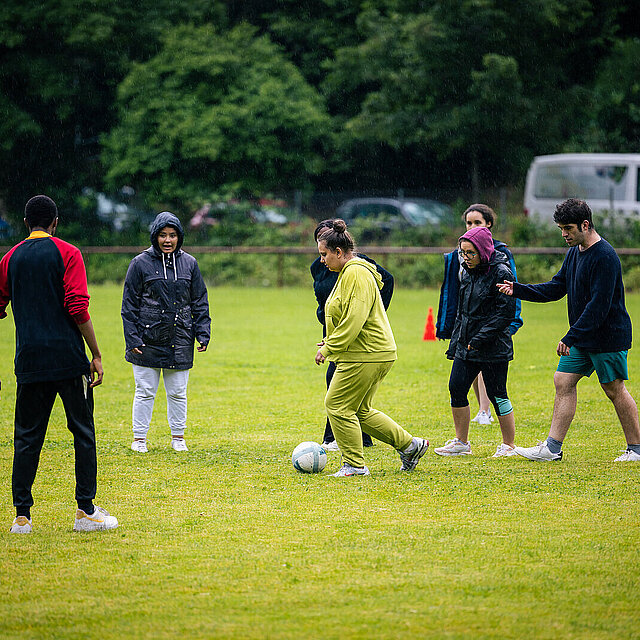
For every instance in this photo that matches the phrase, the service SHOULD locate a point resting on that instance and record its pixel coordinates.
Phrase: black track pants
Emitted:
(34, 402)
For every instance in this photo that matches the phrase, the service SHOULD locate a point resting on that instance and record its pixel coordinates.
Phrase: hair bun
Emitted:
(339, 226)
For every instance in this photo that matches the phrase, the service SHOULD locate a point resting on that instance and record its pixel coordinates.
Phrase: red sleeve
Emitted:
(5, 295)
(76, 295)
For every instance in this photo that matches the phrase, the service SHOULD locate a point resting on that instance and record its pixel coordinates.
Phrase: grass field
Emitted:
(228, 541)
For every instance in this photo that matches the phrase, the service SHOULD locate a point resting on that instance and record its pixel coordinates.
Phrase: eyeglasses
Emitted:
(468, 254)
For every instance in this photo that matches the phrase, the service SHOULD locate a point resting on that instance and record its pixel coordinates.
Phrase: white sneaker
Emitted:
(410, 460)
(628, 456)
(504, 450)
(179, 444)
(140, 446)
(347, 470)
(483, 417)
(454, 447)
(21, 524)
(330, 446)
(540, 452)
(99, 520)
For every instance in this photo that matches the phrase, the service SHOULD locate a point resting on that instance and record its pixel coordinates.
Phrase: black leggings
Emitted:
(328, 433)
(494, 374)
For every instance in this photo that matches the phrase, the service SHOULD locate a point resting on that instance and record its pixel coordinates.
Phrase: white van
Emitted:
(609, 182)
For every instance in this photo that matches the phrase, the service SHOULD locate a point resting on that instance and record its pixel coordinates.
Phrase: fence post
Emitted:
(280, 270)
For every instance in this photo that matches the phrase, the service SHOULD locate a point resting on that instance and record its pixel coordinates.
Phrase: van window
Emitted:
(589, 182)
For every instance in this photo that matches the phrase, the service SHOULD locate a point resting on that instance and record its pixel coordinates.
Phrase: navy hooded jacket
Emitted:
(164, 304)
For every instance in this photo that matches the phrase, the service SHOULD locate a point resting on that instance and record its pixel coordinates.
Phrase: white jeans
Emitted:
(175, 384)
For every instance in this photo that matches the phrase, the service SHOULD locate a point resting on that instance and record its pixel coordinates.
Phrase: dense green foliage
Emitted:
(215, 112)
(184, 99)
(228, 541)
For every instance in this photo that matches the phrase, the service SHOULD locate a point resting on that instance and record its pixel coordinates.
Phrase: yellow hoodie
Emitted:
(358, 329)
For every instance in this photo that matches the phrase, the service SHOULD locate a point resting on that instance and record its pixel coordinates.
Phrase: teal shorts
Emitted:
(609, 366)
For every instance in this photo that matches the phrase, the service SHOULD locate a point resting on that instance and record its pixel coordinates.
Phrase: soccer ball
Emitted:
(309, 457)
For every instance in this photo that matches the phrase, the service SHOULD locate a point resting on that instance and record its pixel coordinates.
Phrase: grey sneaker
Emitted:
(418, 448)
(540, 452)
(21, 524)
(330, 446)
(99, 520)
(454, 447)
(347, 471)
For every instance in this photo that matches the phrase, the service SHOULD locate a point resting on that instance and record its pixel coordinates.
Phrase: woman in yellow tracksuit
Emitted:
(360, 341)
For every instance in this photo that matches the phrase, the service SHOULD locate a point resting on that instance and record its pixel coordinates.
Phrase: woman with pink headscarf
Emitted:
(481, 341)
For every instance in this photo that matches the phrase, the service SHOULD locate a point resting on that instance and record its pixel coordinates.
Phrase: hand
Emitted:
(319, 357)
(95, 372)
(505, 287)
(137, 351)
(202, 347)
(562, 349)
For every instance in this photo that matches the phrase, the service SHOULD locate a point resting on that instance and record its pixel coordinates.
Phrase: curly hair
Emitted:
(573, 211)
(40, 211)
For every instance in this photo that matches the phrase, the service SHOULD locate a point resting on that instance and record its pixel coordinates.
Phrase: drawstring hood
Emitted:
(169, 260)
(162, 220)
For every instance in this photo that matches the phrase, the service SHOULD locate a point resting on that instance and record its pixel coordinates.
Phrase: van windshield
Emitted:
(585, 181)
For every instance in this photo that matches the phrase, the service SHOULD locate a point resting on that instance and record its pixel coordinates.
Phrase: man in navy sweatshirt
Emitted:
(45, 280)
(599, 335)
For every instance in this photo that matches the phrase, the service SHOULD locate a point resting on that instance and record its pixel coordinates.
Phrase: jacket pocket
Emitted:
(155, 333)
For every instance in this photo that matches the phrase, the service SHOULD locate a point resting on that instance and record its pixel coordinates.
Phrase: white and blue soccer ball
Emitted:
(309, 457)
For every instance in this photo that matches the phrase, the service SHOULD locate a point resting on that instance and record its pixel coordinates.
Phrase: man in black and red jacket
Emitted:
(45, 280)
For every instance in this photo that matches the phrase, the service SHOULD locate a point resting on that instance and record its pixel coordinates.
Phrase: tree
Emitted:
(488, 82)
(215, 112)
(60, 64)
(613, 104)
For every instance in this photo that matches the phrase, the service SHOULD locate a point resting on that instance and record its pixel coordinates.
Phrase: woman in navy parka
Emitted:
(164, 311)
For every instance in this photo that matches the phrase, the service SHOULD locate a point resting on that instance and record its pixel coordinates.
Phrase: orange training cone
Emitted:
(430, 327)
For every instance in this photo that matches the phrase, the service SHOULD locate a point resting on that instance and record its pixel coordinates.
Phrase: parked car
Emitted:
(395, 213)
(118, 210)
(263, 210)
